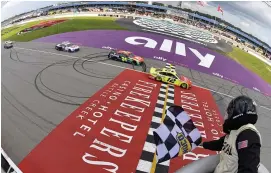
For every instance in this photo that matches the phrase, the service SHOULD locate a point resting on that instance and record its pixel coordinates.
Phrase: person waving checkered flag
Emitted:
(176, 136)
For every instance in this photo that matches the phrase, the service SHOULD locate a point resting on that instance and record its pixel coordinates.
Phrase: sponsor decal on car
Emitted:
(138, 58)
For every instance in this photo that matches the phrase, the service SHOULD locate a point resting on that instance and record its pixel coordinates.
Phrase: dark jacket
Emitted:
(241, 111)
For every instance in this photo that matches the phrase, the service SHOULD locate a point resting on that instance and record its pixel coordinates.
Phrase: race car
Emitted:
(8, 44)
(67, 47)
(126, 56)
(169, 75)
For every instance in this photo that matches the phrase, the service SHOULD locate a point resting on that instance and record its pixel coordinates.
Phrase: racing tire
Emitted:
(113, 58)
(69, 51)
(134, 63)
(184, 85)
(144, 67)
(158, 78)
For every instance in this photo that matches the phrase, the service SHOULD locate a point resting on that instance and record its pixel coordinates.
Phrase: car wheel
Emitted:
(158, 78)
(144, 67)
(184, 85)
(69, 50)
(134, 63)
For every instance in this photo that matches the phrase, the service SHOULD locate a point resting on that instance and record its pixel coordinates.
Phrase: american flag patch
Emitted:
(242, 144)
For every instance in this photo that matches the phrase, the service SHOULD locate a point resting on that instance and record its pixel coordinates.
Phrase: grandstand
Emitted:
(238, 34)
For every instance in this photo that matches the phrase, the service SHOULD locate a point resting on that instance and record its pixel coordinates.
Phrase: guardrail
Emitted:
(8, 166)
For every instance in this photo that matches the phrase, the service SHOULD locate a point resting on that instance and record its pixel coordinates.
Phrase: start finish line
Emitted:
(111, 130)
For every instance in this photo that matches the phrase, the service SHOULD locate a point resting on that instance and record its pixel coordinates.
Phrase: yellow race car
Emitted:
(170, 76)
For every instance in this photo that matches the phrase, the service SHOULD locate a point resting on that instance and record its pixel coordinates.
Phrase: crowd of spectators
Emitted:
(138, 11)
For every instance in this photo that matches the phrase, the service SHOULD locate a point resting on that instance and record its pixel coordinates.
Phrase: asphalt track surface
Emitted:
(41, 87)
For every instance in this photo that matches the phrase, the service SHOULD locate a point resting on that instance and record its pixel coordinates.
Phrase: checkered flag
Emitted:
(176, 136)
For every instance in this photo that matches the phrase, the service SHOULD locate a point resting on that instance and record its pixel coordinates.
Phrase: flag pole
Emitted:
(200, 19)
(214, 22)
(193, 17)
(200, 3)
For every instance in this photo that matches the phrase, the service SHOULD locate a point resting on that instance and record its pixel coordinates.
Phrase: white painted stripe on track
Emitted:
(265, 108)
(52, 53)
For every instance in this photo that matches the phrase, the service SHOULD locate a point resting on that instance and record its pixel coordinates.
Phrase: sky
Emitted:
(13, 8)
(253, 17)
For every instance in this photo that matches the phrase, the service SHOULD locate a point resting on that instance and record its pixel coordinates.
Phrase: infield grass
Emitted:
(72, 24)
(9, 32)
(252, 63)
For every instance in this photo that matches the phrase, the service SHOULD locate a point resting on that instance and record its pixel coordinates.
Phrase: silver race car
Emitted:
(67, 47)
(8, 44)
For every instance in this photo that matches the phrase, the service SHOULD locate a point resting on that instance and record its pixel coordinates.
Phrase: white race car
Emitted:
(8, 44)
(67, 47)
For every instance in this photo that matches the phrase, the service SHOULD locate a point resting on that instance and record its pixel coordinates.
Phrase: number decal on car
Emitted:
(124, 59)
(171, 80)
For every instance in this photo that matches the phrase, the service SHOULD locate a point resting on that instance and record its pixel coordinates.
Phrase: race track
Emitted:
(167, 49)
(41, 87)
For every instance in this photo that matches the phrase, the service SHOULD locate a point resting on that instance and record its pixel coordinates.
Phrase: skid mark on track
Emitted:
(27, 109)
(224, 94)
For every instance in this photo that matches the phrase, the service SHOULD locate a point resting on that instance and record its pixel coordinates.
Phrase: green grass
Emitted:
(73, 24)
(252, 63)
(8, 32)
